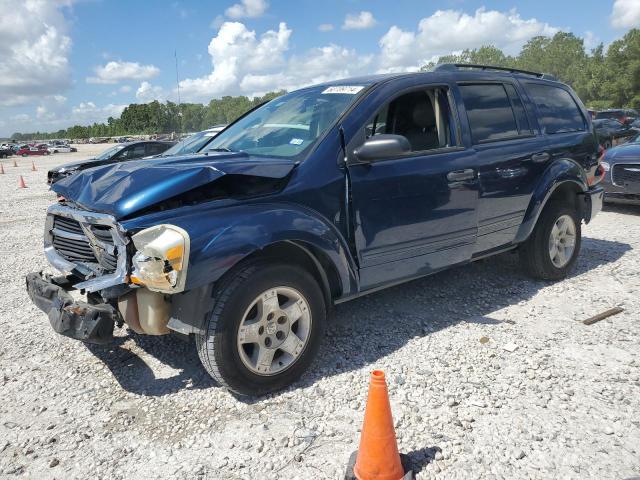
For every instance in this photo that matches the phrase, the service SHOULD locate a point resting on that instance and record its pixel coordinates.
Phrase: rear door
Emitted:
(512, 154)
(563, 120)
(415, 213)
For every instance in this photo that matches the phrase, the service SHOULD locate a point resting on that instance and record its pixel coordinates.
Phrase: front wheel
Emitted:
(25, 155)
(266, 326)
(552, 249)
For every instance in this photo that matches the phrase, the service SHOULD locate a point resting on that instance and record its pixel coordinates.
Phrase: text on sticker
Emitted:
(348, 89)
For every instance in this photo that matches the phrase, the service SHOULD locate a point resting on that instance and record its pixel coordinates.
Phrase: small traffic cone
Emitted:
(21, 184)
(33, 166)
(377, 457)
(1, 169)
(15, 164)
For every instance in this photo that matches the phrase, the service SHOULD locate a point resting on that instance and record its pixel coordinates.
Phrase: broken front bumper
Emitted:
(75, 319)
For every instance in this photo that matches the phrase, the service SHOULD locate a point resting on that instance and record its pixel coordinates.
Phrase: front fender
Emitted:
(222, 237)
(560, 172)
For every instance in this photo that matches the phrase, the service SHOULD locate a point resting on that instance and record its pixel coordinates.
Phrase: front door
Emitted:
(416, 213)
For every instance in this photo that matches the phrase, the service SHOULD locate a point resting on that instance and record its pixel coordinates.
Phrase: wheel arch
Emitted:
(565, 178)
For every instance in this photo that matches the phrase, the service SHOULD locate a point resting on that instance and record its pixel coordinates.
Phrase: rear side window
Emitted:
(491, 116)
(558, 111)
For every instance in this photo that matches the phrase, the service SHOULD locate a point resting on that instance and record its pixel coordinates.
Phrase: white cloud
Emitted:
(625, 14)
(34, 50)
(235, 52)
(245, 63)
(359, 21)
(247, 8)
(591, 40)
(448, 31)
(147, 93)
(125, 89)
(87, 112)
(325, 27)
(116, 71)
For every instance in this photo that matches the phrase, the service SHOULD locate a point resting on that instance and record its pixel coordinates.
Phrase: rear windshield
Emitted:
(190, 144)
(612, 114)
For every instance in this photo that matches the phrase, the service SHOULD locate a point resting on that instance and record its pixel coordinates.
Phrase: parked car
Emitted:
(612, 132)
(116, 154)
(622, 179)
(61, 149)
(27, 150)
(5, 152)
(306, 202)
(623, 115)
(194, 143)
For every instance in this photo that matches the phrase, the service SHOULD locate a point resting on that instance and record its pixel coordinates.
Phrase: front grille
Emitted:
(71, 242)
(626, 176)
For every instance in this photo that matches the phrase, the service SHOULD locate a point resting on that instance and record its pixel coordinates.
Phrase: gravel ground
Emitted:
(491, 375)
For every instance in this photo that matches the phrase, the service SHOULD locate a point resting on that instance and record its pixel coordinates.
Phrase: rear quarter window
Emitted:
(558, 111)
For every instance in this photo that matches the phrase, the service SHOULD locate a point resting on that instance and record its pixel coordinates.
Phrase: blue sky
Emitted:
(78, 61)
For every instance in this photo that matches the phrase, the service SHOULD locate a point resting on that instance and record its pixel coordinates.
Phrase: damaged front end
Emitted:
(79, 320)
(130, 276)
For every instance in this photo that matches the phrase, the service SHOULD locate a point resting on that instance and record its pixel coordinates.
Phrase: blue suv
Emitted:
(315, 198)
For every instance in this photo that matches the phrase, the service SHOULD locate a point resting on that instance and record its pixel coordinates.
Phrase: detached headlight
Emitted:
(162, 257)
(605, 166)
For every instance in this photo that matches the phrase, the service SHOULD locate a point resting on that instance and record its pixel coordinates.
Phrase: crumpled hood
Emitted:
(125, 188)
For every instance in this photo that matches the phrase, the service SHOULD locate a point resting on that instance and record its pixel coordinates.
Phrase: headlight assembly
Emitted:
(162, 257)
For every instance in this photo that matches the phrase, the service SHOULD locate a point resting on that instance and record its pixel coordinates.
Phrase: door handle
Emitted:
(461, 175)
(540, 157)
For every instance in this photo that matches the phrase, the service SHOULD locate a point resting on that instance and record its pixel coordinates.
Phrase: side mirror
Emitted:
(380, 147)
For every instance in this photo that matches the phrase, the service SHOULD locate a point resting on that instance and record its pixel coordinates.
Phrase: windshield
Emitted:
(190, 144)
(107, 154)
(287, 126)
(635, 139)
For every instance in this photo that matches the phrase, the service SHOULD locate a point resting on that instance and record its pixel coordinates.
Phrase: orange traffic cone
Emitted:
(33, 166)
(377, 457)
(21, 184)
(15, 164)
(1, 169)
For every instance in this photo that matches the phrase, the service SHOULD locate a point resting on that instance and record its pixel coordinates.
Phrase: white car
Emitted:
(60, 149)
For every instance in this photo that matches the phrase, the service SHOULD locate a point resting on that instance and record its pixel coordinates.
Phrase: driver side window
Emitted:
(422, 116)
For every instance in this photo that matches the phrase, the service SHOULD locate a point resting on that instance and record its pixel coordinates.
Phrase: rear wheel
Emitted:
(552, 249)
(265, 328)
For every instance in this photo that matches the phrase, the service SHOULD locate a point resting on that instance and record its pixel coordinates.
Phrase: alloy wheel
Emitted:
(274, 331)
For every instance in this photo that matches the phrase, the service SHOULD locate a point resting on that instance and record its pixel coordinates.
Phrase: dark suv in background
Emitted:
(118, 153)
(623, 115)
(315, 198)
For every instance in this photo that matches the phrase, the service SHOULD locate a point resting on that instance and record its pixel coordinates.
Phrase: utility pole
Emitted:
(175, 55)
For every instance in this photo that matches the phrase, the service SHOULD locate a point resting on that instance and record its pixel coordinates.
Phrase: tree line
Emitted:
(157, 118)
(602, 79)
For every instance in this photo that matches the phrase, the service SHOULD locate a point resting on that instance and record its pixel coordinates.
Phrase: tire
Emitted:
(219, 347)
(25, 155)
(536, 252)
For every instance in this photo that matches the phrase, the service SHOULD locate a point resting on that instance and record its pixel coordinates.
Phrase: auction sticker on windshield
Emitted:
(348, 89)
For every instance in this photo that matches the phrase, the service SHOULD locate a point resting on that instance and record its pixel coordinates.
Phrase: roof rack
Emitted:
(449, 67)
